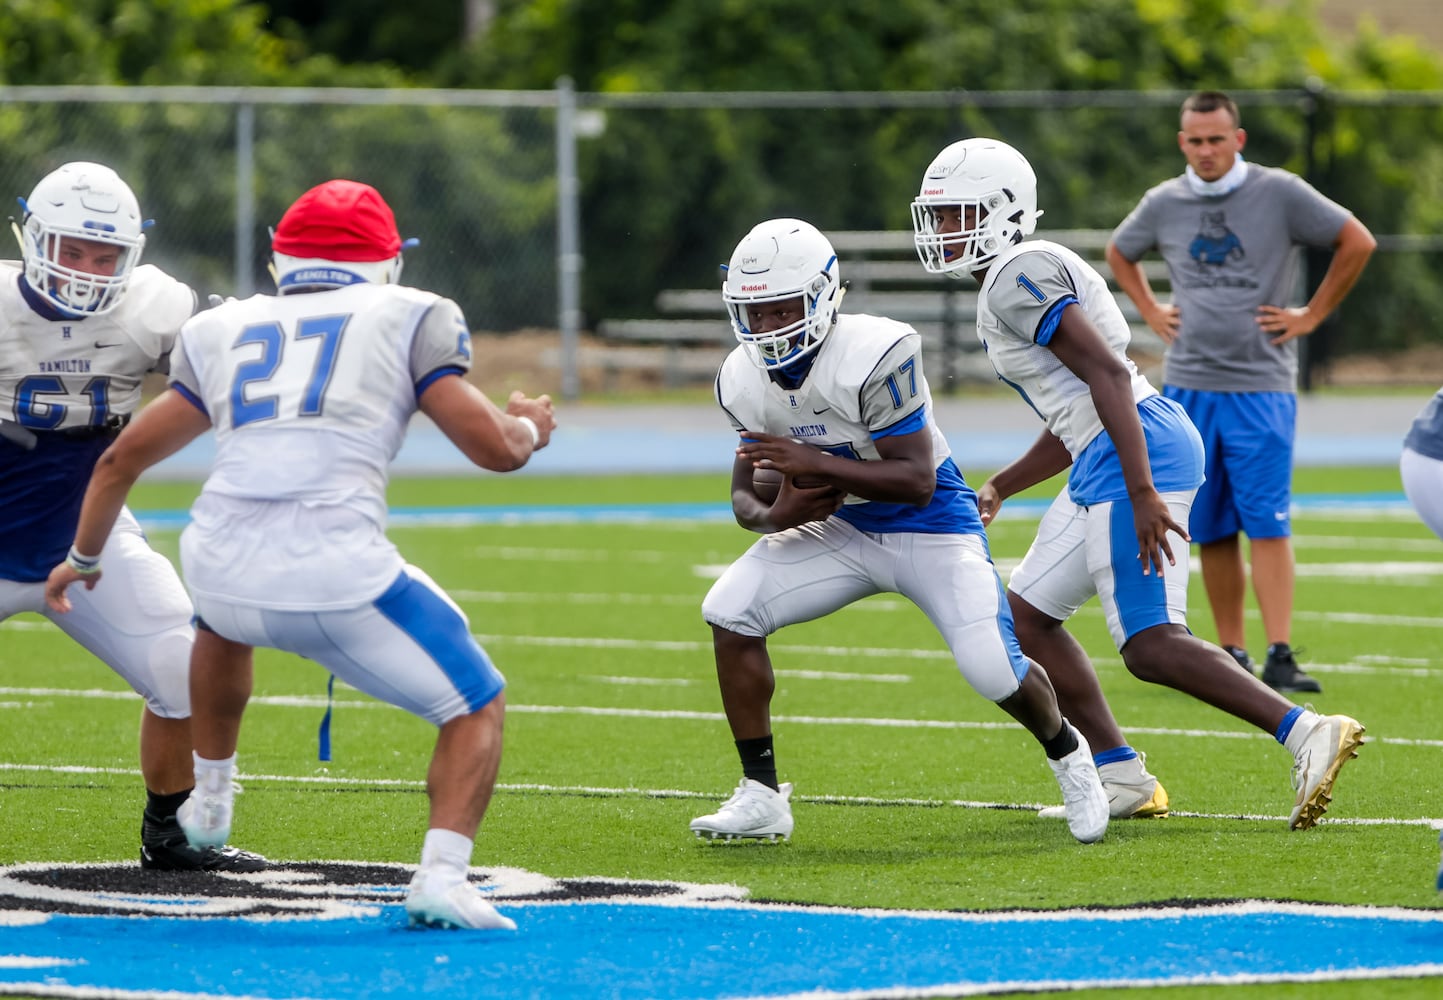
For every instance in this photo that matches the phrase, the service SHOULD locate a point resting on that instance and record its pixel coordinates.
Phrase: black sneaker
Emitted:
(163, 848)
(1281, 673)
(1241, 655)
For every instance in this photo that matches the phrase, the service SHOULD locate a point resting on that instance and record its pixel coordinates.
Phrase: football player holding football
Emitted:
(871, 503)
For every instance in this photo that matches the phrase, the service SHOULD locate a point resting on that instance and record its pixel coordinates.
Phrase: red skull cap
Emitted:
(339, 220)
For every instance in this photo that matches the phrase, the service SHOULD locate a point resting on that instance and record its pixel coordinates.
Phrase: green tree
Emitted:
(667, 193)
(412, 36)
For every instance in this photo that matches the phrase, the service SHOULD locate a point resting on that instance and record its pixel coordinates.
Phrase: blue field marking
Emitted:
(602, 950)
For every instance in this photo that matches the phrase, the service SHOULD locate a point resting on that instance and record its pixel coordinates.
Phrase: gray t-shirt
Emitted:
(1226, 256)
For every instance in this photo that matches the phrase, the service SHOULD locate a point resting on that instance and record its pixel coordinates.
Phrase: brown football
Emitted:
(767, 483)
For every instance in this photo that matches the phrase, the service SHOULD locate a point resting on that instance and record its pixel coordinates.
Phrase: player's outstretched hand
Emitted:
(1153, 521)
(538, 410)
(61, 577)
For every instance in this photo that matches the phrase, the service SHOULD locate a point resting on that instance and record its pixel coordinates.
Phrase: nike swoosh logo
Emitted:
(101, 347)
(822, 410)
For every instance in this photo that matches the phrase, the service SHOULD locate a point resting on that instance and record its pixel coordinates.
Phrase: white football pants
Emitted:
(1082, 551)
(812, 570)
(411, 647)
(137, 620)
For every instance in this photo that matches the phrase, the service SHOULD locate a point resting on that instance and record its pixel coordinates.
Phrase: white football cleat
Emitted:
(1132, 792)
(1318, 755)
(206, 815)
(453, 906)
(1083, 800)
(754, 812)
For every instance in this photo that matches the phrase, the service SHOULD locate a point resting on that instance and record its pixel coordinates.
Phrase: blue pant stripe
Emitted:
(1141, 600)
(441, 631)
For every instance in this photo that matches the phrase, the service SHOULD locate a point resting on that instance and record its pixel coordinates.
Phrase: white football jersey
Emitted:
(867, 380)
(1018, 308)
(310, 395)
(70, 380)
(66, 373)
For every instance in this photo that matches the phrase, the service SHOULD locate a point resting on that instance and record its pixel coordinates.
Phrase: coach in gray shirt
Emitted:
(1227, 230)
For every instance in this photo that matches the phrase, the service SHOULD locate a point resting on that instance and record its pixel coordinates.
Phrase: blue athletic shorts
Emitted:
(1248, 440)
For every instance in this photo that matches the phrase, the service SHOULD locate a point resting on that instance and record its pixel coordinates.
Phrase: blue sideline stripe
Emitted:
(617, 951)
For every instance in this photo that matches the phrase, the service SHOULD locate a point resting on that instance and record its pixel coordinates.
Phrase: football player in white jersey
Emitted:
(309, 393)
(1054, 332)
(81, 323)
(871, 502)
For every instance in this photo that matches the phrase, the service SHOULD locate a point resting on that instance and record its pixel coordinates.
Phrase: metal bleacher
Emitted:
(689, 336)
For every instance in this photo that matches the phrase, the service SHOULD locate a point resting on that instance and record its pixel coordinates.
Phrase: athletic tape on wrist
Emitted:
(84, 565)
(530, 425)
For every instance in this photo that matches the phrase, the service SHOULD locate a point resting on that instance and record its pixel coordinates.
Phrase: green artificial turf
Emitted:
(911, 790)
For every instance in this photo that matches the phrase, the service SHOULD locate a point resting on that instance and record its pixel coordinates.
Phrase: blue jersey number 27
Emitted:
(247, 409)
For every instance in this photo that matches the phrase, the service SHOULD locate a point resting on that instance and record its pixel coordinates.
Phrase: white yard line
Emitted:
(597, 711)
(603, 791)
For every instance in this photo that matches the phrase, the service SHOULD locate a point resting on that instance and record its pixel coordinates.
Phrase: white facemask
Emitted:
(1226, 184)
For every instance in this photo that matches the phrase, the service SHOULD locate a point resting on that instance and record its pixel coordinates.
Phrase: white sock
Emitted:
(1302, 726)
(1131, 769)
(447, 854)
(213, 776)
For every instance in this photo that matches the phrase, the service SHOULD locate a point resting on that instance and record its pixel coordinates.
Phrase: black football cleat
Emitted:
(163, 848)
(184, 858)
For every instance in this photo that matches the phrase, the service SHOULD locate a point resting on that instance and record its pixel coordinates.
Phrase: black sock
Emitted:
(160, 808)
(758, 762)
(1062, 744)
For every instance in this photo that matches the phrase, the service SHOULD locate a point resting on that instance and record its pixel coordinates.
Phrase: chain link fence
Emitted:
(216, 169)
(557, 210)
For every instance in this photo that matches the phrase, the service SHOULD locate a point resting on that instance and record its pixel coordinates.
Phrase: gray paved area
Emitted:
(985, 433)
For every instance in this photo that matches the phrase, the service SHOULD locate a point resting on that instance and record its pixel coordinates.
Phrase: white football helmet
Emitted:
(86, 201)
(778, 260)
(993, 181)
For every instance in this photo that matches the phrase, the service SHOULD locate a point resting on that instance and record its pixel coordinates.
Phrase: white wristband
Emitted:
(531, 427)
(84, 565)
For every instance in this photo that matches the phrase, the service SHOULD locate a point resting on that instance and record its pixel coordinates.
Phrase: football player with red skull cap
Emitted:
(81, 323)
(309, 393)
